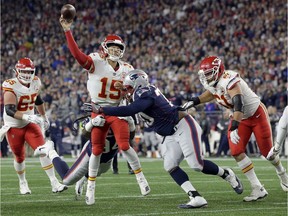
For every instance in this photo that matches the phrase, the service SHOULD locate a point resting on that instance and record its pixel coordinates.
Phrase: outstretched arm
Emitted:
(84, 60)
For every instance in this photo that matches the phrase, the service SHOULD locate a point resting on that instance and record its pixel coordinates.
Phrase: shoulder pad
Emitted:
(142, 92)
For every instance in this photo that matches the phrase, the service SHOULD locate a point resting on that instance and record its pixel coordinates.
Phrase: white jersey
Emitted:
(25, 97)
(101, 81)
(227, 82)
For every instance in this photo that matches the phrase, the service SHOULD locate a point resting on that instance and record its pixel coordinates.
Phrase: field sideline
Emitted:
(119, 195)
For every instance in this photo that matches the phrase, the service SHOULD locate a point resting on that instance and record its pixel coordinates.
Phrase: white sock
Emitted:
(94, 163)
(20, 169)
(132, 158)
(187, 186)
(48, 167)
(247, 168)
(277, 164)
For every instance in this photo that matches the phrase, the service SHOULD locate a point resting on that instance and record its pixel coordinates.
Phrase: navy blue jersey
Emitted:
(153, 107)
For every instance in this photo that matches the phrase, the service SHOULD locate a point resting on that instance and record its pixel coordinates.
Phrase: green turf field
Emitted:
(119, 195)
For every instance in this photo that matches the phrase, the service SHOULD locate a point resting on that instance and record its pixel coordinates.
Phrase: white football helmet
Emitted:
(113, 54)
(25, 70)
(135, 79)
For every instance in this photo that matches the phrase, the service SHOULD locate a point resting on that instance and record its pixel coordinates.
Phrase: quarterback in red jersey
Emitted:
(21, 96)
(105, 72)
(249, 116)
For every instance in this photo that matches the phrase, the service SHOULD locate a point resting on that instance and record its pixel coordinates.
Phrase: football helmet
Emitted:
(135, 79)
(211, 69)
(113, 53)
(25, 70)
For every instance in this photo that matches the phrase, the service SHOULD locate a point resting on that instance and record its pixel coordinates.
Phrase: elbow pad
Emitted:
(39, 100)
(238, 103)
(10, 109)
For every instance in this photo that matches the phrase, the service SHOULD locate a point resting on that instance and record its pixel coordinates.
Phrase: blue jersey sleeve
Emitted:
(137, 106)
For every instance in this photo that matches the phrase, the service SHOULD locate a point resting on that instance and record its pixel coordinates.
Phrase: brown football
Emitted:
(68, 11)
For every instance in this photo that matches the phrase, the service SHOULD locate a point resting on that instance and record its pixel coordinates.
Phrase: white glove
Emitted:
(234, 136)
(46, 123)
(33, 119)
(272, 153)
(188, 105)
(130, 121)
(98, 121)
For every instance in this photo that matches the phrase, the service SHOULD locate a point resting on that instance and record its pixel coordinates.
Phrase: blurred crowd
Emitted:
(167, 39)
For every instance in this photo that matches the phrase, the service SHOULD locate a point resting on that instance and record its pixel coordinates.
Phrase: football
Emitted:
(68, 11)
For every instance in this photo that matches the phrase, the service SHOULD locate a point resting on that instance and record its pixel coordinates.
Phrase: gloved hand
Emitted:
(91, 107)
(33, 119)
(272, 153)
(46, 123)
(98, 121)
(66, 25)
(234, 136)
(191, 103)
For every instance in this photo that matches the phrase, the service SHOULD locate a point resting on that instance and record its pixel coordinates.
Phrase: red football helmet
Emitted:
(211, 69)
(113, 53)
(25, 70)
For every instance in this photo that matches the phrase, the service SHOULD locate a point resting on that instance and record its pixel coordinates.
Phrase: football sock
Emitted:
(94, 163)
(20, 169)
(210, 168)
(247, 168)
(132, 158)
(277, 164)
(48, 167)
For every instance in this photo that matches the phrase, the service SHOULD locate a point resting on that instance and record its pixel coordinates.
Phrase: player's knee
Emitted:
(169, 167)
(97, 150)
(20, 159)
(124, 146)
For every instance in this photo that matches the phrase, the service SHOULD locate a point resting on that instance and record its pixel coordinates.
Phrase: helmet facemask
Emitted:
(113, 50)
(209, 75)
(25, 70)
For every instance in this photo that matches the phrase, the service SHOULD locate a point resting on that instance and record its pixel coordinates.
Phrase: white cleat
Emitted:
(90, 193)
(234, 181)
(24, 189)
(43, 150)
(57, 187)
(258, 192)
(283, 180)
(144, 186)
(195, 202)
(79, 187)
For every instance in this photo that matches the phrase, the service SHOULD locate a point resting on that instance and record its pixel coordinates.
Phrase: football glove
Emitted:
(234, 136)
(33, 119)
(46, 123)
(98, 121)
(91, 107)
(192, 103)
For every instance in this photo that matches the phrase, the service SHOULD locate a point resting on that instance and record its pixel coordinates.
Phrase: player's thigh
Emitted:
(16, 140)
(34, 136)
(171, 153)
(121, 132)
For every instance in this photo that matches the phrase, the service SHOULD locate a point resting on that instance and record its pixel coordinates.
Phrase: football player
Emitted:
(105, 72)
(280, 136)
(78, 172)
(21, 96)
(182, 134)
(249, 116)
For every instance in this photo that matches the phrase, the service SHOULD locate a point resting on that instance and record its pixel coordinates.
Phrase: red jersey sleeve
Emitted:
(84, 60)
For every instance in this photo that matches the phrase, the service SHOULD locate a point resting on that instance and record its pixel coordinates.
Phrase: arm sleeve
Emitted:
(84, 60)
(135, 107)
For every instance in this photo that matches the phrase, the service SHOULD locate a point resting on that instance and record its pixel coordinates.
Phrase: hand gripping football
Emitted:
(68, 12)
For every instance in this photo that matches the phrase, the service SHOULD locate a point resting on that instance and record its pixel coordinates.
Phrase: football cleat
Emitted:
(283, 180)
(57, 187)
(195, 202)
(90, 193)
(79, 187)
(258, 192)
(234, 181)
(144, 186)
(24, 189)
(43, 150)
